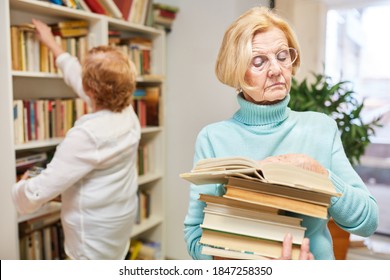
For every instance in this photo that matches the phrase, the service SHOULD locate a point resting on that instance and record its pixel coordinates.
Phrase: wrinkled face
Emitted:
(270, 71)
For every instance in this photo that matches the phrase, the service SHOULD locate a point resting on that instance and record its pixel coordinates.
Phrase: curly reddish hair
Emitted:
(110, 76)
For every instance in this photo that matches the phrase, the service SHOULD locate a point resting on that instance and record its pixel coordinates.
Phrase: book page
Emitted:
(219, 176)
(227, 163)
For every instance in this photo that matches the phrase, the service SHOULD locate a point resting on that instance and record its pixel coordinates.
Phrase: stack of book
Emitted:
(146, 105)
(28, 54)
(259, 207)
(144, 250)
(43, 119)
(164, 16)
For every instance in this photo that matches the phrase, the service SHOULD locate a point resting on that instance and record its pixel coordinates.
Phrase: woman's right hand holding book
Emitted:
(305, 253)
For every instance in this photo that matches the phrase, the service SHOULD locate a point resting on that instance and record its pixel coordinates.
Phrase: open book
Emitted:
(218, 170)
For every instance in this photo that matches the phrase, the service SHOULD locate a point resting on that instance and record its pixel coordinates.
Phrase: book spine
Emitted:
(96, 7)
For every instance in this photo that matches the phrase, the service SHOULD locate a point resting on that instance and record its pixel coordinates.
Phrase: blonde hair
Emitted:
(111, 76)
(235, 53)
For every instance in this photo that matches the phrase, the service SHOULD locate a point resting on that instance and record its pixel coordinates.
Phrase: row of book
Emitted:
(50, 118)
(144, 164)
(45, 118)
(261, 204)
(138, 49)
(143, 12)
(134, 11)
(42, 238)
(28, 54)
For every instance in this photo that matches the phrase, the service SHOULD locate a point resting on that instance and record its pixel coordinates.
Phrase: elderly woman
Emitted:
(258, 57)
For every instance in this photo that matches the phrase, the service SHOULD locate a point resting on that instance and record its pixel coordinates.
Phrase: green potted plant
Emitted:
(339, 101)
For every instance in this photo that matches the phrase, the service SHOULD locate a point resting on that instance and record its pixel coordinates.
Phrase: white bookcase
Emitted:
(34, 85)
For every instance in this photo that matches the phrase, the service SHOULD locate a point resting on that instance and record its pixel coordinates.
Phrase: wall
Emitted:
(308, 19)
(194, 96)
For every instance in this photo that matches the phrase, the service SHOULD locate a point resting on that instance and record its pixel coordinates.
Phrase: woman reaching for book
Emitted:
(258, 56)
(95, 167)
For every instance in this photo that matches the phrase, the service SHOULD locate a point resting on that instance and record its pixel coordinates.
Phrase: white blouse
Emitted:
(95, 171)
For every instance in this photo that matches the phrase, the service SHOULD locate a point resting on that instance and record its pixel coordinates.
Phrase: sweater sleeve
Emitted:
(195, 215)
(356, 211)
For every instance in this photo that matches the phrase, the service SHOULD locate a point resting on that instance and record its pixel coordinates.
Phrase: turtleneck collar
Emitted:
(254, 114)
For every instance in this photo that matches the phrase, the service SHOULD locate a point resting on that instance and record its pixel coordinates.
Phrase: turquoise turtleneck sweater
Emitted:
(260, 131)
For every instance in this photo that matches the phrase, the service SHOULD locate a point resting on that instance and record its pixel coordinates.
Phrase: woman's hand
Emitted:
(44, 34)
(25, 175)
(305, 253)
(299, 160)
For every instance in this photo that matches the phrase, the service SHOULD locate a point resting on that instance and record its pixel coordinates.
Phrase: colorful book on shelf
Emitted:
(25, 47)
(164, 15)
(43, 119)
(254, 227)
(135, 11)
(218, 170)
(57, 2)
(70, 3)
(152, 100)
(18, 114)
(15, 48)
(70, 32)
(124, 7)
(28, 160)
(111, 8)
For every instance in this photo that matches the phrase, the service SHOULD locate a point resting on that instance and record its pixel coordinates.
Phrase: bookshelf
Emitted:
(34, 85)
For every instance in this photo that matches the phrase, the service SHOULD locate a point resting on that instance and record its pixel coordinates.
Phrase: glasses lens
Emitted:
(293, 56)
(284, 58)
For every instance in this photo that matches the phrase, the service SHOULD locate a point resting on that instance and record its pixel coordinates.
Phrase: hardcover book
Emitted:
(247, 244)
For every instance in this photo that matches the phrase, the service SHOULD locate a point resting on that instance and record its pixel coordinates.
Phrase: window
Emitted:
(358, 50)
